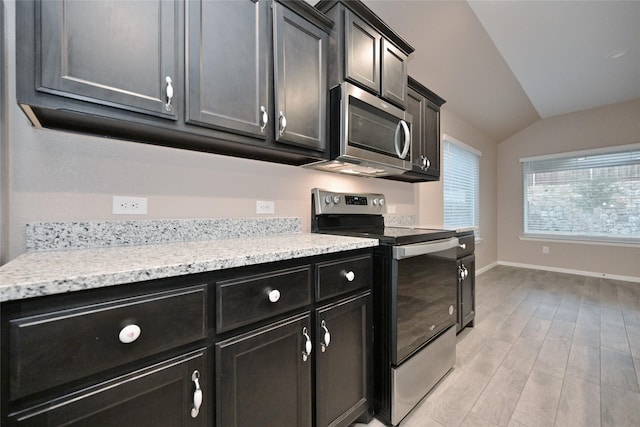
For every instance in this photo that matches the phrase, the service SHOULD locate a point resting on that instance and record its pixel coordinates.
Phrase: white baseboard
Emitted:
(486, 268)
(565, 270)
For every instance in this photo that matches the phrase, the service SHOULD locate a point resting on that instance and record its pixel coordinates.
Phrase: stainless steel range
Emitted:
(415, 285)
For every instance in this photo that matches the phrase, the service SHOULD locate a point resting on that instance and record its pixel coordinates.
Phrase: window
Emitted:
(461, 165)
(588, 195)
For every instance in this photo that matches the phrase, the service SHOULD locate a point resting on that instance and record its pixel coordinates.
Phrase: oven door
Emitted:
(425, 293)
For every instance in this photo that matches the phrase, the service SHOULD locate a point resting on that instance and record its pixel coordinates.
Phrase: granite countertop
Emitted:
(47, 272)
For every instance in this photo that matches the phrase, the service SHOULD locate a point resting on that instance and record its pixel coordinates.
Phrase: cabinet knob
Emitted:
(326, 338)
(129, 334)
(307, 345)
(274, 295)
(462, 246)
(197, 394)
(169, 93)
(349, 275)
(264, 117)
(283, 123)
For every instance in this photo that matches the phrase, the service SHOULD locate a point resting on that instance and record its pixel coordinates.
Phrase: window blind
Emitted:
(461, 165)
(584, 195)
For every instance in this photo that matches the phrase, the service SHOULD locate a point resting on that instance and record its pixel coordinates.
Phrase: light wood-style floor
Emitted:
(548, 349)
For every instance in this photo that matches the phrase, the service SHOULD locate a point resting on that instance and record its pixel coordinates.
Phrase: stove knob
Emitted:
(328, 199)
(336, 199)
(375, 202)
(381, 202)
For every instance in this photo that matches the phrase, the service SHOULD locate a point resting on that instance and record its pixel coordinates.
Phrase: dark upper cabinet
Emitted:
(122, 54)
(424, 107)
(365, 51)
(243, 78)
(362, 52)
(228, 65)
(343, 361)
(300, 75)
(394, 74)
(264, 377)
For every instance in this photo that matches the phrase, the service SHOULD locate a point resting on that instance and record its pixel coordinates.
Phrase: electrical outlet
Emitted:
(265, 207)
(129, 205)
(545, 250)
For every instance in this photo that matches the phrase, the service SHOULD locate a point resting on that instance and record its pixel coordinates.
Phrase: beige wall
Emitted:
(612, 125)
(430, 196)
(57, 176)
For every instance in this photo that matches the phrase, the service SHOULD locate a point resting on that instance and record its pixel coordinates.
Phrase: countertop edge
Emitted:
(18, 280)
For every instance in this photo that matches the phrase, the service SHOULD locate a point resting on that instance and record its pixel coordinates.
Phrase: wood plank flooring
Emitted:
(548, 349)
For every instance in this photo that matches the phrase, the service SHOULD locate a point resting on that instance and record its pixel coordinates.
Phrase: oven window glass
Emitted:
(372, 129)
(426, 288)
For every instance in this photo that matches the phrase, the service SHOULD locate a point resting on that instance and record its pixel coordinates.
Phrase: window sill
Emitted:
(628, 243)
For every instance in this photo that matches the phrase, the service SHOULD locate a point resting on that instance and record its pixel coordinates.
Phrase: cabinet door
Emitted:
(394, 74)
(344, 366)
(416, 107)
(161, 395)
(431, 137)
(264, 377)
(362, 53)
(122, 54)
(228, 65)
(466, 291)
(300, 52)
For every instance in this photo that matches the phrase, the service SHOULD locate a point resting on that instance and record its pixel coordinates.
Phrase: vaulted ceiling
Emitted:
(502, 65)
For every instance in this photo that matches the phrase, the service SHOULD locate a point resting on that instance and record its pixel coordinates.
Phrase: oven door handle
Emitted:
(417, 249)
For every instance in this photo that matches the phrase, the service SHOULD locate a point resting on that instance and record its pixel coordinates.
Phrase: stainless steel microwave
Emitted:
(367, 136)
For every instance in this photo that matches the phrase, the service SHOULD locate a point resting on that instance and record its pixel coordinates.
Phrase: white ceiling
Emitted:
(502, 65)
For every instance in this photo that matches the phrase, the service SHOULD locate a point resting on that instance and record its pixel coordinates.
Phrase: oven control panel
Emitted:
(332, 202)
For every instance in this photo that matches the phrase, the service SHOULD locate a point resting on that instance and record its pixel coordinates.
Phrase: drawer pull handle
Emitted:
(197, 394)
(350, 276)
(274, 295)
(463, 246)
(307, 345)
(169, 93)
(326, 338)
(129, 334)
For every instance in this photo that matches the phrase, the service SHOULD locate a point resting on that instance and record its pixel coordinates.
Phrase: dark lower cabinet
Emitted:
(466, 291)
(160, 395)
(264, 377)
(343, 361)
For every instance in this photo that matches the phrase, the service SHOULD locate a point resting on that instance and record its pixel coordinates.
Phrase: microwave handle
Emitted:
(407, 139)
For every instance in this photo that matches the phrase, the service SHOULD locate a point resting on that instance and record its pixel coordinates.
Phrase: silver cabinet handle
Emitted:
(407, 139)
(307, 345)
(274, 295)
(423, 162)
(326, 338)
(264, 118)
(169, 93)
(460, 273)
(197, 394)
(462, 246)
(283, 123)
(349, 275)
(466, 272)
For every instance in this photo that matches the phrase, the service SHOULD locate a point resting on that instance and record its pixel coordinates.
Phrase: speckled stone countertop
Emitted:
(46, 272)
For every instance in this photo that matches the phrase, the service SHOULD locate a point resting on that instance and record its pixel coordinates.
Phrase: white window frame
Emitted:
(446, 167)
(586, 238)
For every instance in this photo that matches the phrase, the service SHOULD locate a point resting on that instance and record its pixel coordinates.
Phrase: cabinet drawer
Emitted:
(468, 241)
(342, 276)
(54, 348)
(245, 300)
